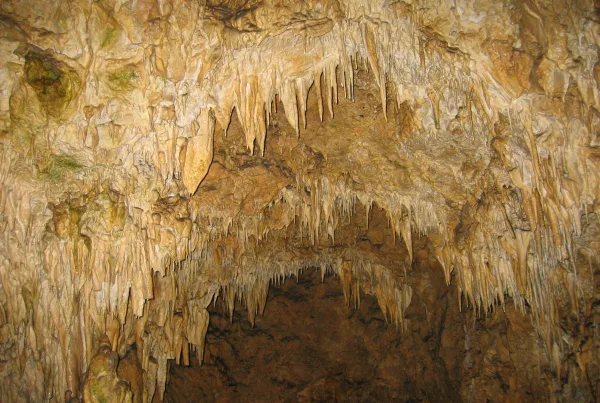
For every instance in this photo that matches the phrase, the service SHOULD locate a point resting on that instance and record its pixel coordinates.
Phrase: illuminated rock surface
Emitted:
(157, 156)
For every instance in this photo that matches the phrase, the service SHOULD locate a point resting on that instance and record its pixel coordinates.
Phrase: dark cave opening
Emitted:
(310, 346)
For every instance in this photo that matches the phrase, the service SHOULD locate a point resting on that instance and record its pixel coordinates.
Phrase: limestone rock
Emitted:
(102, 384)
(157, 156)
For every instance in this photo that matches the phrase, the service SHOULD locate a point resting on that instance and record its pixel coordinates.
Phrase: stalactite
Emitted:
(84, 237)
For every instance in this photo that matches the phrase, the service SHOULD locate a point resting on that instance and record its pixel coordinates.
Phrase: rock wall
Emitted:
(158, 154)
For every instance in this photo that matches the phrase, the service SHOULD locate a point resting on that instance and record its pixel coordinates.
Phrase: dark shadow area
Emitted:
(309, 346)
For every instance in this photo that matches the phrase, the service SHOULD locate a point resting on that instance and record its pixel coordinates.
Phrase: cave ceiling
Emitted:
(158, 154)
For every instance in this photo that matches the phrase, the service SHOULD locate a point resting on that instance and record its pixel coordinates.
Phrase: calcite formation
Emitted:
(102, 384)
(156, 155)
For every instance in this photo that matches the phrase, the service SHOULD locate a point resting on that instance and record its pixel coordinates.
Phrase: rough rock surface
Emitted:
(158, 155)
(102, 384)
(310, 346)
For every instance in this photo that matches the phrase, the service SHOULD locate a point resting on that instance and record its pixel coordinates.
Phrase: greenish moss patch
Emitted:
(54, 86)
(108, 36)
(398, 165)
(124, 80)
(59, 166)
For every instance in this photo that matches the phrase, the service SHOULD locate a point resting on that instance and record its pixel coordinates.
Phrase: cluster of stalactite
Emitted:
(108, 115)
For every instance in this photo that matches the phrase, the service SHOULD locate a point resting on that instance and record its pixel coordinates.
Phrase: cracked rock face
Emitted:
(159, 155)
